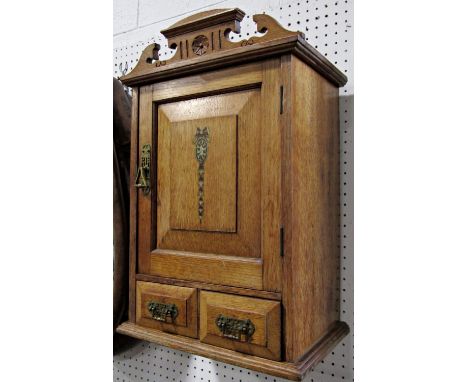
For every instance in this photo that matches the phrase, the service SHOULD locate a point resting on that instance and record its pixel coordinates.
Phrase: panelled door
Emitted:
(212, 213)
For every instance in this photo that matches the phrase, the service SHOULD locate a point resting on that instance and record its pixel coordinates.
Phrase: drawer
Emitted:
(245, 324)
(168, 308)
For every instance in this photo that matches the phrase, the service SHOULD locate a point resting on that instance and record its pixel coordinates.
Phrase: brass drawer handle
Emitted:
(234, 328)
(159, 311)
(142, 179)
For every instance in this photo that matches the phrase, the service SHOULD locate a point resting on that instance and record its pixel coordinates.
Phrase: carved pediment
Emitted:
(202, 41)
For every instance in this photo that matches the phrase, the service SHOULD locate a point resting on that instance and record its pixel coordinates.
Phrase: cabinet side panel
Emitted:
(314, 186)
(286, 219)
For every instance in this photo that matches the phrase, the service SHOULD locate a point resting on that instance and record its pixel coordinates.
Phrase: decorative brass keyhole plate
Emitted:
(159, 311)
(234, 328)
(200, 141)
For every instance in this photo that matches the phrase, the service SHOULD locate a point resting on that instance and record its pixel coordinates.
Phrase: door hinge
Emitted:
(281, 99)
(282, 242)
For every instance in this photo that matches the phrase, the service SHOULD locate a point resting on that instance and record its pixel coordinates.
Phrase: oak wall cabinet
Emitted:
(235, 233)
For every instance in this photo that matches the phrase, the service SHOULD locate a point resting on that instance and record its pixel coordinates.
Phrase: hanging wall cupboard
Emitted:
(235, 227)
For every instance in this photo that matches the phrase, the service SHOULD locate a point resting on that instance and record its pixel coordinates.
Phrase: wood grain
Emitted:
(202, 20)
(271, 175)
(185, 299)
(221, 105)
(219, 185)
(265, 316)
(313, 239)
(212, 287)
(223, 52)
(286, 206)
(245, 239)
(293, 371)
(217, 81)
(133, 205)
(215, 269)
(294, 45)
(239, 162)
(206, 34)
(144, 201)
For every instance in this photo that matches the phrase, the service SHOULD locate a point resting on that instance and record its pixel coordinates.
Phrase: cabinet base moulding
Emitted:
(293, 371)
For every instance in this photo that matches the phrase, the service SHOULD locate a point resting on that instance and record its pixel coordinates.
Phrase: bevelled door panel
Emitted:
(209, 194)
(203, 173)
(208, 175)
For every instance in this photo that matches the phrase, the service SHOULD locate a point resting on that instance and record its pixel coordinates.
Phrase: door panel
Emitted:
(203, 195)
(241, 272)
(212, 214)
(210, 204)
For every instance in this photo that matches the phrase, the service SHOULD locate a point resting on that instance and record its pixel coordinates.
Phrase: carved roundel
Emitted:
(200, 45)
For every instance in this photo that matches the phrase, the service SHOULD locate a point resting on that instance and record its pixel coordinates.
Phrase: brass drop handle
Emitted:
(142, 179)
(160, 311)
(234, 328)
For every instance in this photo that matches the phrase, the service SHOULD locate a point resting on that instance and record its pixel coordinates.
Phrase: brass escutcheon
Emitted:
(201, 139)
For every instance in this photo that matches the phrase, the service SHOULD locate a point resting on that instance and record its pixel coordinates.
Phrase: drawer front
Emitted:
(245, 324)
(168, 308)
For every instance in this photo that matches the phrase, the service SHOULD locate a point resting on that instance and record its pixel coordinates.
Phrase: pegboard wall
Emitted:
(327, 25)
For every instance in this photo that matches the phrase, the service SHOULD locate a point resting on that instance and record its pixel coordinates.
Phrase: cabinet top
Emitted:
(201, 42)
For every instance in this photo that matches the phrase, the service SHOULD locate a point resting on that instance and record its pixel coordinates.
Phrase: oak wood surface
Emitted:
(202, 20)
(185, 299)
(212, 268)
(193, 38)
(207, 107)
(132, 264)
(219, 51)
(264, 315)
(271, 175)
(217, 81)
(231, 183)
(311, 283)
(252, 161)
(236, 215)
(245, 237)
(293, 371)
(144, 201)
(294, 45)
(220, 175)
(286, 208)
(212, 287)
